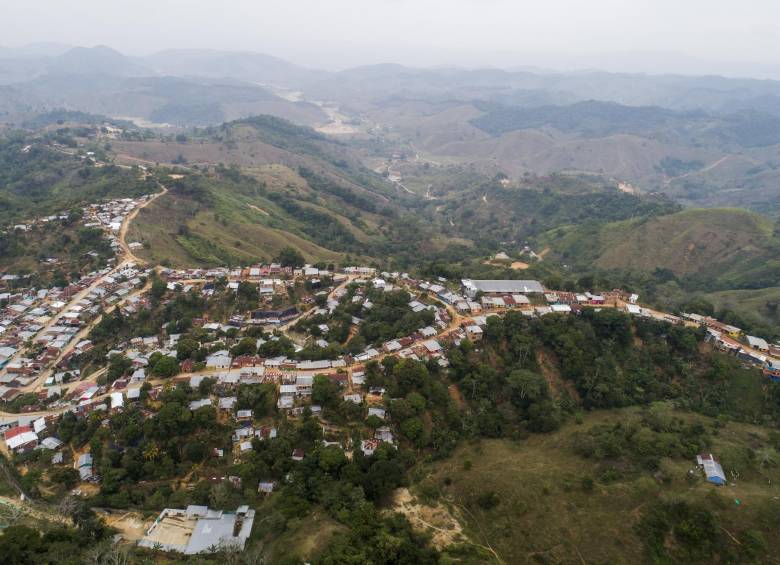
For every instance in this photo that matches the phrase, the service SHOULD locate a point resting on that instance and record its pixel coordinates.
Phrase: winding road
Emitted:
(127, 258)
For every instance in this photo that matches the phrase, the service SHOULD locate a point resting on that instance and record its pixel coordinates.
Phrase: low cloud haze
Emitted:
(695, 36)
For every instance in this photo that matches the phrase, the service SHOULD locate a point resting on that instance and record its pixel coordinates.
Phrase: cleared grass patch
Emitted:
(536, 500)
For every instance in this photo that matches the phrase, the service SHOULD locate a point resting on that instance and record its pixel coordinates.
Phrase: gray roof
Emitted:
(757, 342)
(213, 532)
(504, 287)
(51, 443)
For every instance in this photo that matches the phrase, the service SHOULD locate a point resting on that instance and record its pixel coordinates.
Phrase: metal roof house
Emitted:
(757, 343)
(199, 529)
(472, 287)
(21, 438)
(712, 469)
(85, 467)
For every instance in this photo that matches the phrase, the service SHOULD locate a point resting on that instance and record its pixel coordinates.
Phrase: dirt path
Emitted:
(444, 528)
(131, 525)
(129, 256)
(84, 332)
(256, 209)
(708, 168)
(310, 312)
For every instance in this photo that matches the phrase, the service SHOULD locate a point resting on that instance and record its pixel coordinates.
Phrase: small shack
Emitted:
(712, 469)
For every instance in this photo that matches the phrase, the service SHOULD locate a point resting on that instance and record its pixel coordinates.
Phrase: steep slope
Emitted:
(213, 221)
(294, 188)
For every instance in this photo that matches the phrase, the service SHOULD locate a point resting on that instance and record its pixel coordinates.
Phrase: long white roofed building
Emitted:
(472, 287)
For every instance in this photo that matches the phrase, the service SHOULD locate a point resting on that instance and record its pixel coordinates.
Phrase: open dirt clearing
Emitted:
(436, 520)
(130, 524)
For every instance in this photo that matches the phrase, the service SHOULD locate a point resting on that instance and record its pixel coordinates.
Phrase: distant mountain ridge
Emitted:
(95, 60)
(362, 85)
(243, 65)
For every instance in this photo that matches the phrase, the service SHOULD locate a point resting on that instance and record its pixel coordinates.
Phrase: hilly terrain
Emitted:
(275, 185)
(704, 141)
(538, 437)
(538, 500)
(37, 179)
(245, 191)
(698, 158)
(711, 248)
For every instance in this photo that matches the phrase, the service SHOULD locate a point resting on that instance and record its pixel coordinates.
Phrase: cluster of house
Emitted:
(42, 221)
(40, 328)
(529, 296)
(108, 216)
(753, 350)
(295, 390)
(257, 273)
(111, 215)
(25, 432)
(769, 363)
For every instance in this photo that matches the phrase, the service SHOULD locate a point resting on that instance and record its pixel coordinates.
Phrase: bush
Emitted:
(488, 500)
(587, 484)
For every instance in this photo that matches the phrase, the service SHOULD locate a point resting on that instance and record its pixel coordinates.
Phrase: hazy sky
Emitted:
(340, 33)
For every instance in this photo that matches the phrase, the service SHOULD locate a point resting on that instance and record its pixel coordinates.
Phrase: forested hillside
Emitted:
(37, 180)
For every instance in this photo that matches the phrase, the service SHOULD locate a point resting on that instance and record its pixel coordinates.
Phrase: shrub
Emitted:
(488, 500)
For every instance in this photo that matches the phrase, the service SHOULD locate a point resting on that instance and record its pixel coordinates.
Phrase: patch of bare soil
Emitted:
(519, 266)
(130, 524)
(549, 367)
(456, 396)
(436, 520)
(256, 209)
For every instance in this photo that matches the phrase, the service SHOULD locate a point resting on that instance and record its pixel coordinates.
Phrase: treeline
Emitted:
(348, 196)
(490, 213)
(320, 227)
(599, 360)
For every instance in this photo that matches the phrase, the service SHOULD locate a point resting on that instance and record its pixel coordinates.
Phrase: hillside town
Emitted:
(282, 331)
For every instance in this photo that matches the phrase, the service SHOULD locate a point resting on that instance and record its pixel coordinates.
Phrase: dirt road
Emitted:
(126, 259)
(128, 254)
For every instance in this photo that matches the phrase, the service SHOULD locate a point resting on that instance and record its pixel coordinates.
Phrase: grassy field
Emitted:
(689, 241)
(759, 306)
(304, 539)
(544, 512)
(178, 232)
(727, 247)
